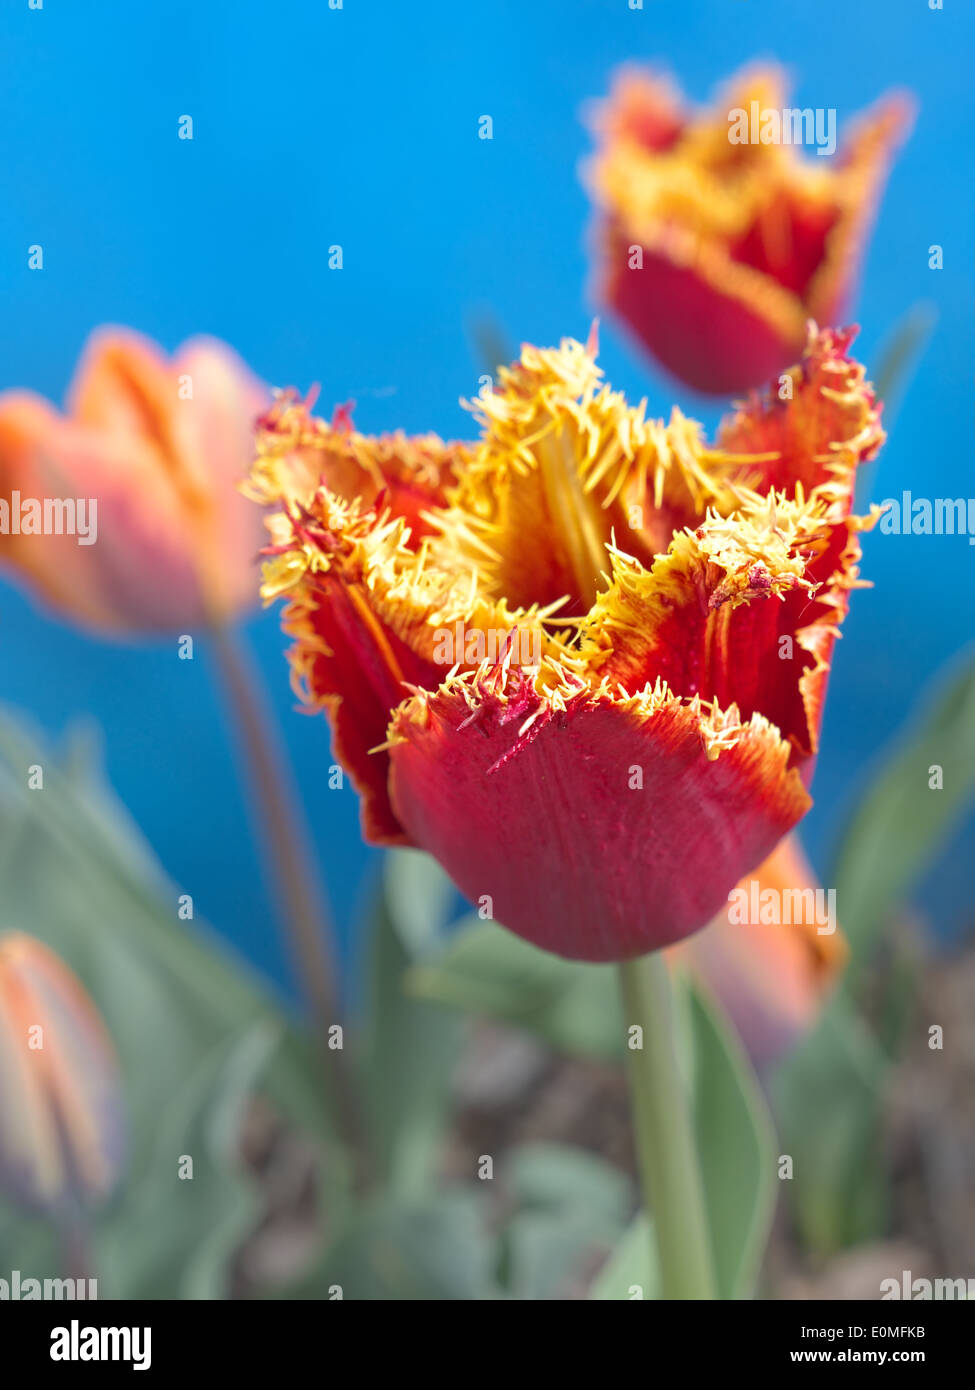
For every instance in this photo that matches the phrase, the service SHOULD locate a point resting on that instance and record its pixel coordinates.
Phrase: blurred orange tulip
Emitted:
(61, 1131)
(772, 979)
(158, 445)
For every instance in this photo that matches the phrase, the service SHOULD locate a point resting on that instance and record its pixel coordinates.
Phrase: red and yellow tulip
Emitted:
(715, 254)
(679, 602)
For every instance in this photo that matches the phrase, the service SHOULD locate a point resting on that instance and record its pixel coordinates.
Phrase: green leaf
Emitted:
(553, 1177)
(435, 1248)
(901, 822)
(76, 873)
(901, 353)
(736, 1144)
(631, 1271)
(489, 341)
(828, 1098)
(484, 969)
(570, 1209)
(29, 1243)
(175, 1235)
(419, 895)
(411, 1045)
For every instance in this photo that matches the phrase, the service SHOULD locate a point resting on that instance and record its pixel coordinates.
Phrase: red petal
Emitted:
(744, 611)
(405, 475)
(717, 326)
(533, 807)
(369, 617)
(350, 663)
(815, 429)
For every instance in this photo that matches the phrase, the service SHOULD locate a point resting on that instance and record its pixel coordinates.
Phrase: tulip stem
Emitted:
(299, 897)
(74, 1237)
(670, 1174)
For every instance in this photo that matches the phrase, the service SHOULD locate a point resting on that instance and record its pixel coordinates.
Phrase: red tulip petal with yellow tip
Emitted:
(595, 826)
(61, 1129)
(298, 451)
(606, 790)
(713, 253)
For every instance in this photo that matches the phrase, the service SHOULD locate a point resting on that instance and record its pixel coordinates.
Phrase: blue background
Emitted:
(359, 127)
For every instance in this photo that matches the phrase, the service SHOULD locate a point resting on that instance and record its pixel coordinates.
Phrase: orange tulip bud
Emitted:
(61, 1132)
(772, 966)
(150, 454)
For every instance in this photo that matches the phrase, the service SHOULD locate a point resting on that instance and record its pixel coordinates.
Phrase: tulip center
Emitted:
(576, 517)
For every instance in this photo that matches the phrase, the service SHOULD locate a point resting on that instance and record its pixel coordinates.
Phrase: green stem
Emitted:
(74, 1237)
(299, 896)
(670, 1175)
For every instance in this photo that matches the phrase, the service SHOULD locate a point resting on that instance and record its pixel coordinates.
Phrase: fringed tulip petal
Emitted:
(371, 619)
(528, 799)
(729, 609)
(706, 617)
(812, 429)
(862, 167)
(298, 453)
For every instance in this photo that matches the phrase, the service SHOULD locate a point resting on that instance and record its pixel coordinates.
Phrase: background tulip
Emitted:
(715, 254)
(771, 978)
(61, 1129)
(160, 444)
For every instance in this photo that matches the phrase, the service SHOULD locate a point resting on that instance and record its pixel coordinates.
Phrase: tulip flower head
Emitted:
(591, 683)
(159, 447)
(61, 1132)
(717, 238)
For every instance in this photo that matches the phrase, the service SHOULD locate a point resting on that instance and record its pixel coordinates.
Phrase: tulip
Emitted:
(602, 799)
(156, 449)
(715, 254)
(61, 1130)
(772, 979)
(159, 446)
